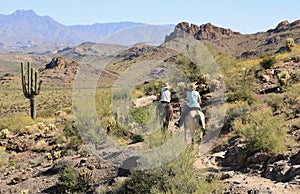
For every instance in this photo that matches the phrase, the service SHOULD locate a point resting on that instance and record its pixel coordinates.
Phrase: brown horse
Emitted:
(166, 114)
(191, 124)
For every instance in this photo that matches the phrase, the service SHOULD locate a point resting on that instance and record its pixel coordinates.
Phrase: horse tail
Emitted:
(198, 119)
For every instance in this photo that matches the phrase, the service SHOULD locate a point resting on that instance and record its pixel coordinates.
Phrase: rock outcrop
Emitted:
(285, 25)
(59, 71)
(60, 63)
(203, 32)
(225, 40)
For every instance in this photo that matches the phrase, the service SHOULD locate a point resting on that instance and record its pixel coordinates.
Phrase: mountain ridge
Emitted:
(235, 43)
(25, 29)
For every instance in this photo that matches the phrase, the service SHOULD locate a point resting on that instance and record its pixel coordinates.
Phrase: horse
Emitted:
(165, 114)
(165, 111)
(191, 124)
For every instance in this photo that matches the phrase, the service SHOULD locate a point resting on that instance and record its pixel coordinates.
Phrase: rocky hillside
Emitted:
(237, 44)
(262, 98)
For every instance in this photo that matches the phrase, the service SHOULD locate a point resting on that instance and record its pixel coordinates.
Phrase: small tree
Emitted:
(31, 88)
(263, 132)
(289, 44)
(268, 61)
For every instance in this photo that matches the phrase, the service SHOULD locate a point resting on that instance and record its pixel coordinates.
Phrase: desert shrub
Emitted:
(263, 132)
(243, 94)
(268, 61)
(276, 101)
(140, 114)
(60, 138)
(227, 64)
(70, 131)
(69, 180)
(240, 89)
(40, 145)
(190, 69)
(72, 181)
(235, 112)
(289, 44)
(178, 176)
(295, 77)
(292, 94)
(137, 138)
(103, 103)
(152, 88)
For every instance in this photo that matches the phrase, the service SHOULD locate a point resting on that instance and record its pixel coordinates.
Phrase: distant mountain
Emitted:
(234, 43)
(24, 29)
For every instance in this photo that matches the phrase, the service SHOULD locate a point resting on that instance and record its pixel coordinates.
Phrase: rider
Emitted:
(194, 101)
(165, 99)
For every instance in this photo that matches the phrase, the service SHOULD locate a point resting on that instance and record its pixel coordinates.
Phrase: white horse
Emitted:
(191, 124)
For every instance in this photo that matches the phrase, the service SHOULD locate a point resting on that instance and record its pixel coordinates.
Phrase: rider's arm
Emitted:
(158, 96)
(199, 100)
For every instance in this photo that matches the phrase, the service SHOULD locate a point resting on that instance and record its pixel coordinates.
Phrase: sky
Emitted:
(245, 16)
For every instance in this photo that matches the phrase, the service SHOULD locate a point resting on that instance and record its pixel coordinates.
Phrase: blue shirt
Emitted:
(193, 97)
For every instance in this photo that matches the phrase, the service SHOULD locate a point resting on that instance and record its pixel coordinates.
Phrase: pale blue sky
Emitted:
(246, 16)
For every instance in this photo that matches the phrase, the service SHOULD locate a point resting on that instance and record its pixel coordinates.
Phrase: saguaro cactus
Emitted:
(31, 88)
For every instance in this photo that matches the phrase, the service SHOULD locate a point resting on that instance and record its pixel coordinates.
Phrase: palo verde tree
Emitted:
(31, 87)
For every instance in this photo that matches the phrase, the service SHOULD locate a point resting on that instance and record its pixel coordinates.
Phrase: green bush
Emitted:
(292, 94)
(72, 181)
(178, 176)
(276, 101)
(263, 132)
(268, 61)
(235, 112)
(190, 69)
(137, 138)
(241, 95)
(240, 89)
(69, 180)
(140, 114)
(295, 77)
(152, 88)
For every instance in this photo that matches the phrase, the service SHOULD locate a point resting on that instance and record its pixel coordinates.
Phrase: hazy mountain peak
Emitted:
(21, 13)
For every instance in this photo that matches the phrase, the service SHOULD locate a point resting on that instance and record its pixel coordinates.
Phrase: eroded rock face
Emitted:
(203, 32)
(285, 25)
(59, 62)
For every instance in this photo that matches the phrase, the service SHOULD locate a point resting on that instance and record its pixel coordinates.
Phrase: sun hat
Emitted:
(193, 86)
(166, 86)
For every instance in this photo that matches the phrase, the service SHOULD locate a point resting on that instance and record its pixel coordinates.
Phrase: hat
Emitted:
(193, 86)
(166, 86)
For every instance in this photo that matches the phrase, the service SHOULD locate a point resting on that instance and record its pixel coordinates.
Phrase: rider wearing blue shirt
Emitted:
(194, 101)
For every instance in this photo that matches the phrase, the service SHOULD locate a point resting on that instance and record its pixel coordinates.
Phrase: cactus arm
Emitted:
(37, 85)
(39, 88)
(28, 79)
(24, 82)
(31, 80)
(35, 82)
